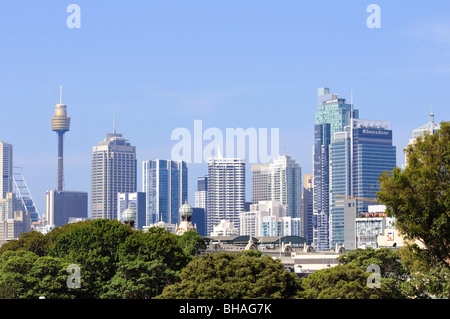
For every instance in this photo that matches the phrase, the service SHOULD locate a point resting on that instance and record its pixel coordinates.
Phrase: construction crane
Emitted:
(374, 200)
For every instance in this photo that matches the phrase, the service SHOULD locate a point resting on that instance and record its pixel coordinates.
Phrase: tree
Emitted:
(148, 262)
(233, 276)
(419, 196)
(23, 274)
(32, 241)
(139, 279)
(93, 245)
(341, 282)
(393, 273)
(192, 242)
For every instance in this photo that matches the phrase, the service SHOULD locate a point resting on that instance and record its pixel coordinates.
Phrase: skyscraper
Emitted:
(6, 169)
(226, 191)
(113, 171)
(332, 116)
(358, 156)
(165, 183)
(280, 181)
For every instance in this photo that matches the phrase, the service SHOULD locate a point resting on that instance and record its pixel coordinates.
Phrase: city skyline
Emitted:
(247, 65)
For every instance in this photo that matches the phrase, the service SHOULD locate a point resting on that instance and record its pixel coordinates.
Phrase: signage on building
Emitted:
(375, 214)
(390, 235)
(377, 132)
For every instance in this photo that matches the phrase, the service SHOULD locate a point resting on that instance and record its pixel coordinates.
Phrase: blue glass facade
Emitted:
(165, 183)
(358, 156)
(332, 116)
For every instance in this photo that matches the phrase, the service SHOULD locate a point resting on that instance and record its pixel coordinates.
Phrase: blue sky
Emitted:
(228, 63)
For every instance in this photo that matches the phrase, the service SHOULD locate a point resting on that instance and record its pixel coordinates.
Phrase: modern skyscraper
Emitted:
(113, 171)
(358, 156)
(165, 183)
(135, 201)
(226, 191)
(332, 116)
(307, 207)
(60, 125)
(279, 181)
(6, 169)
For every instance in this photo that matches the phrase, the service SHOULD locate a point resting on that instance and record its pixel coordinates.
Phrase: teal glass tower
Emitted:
(332, 115)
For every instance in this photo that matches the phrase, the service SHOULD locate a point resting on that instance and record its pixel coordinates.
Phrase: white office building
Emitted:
(113, 172)
(279, 181)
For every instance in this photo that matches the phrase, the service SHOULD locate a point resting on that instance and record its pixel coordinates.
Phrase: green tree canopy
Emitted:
(341, 282)
(393, 273)
(23, 274)
(233, 276)
(419, 196)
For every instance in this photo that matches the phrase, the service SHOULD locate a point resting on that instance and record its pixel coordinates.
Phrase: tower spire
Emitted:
(431, 114)
(60, 94)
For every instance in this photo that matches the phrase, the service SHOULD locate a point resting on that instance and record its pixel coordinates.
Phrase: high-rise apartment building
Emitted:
(113, 171)
(279, 181)
(332, 115)
(165, 183)
(226, 191)
(6, 169)
(358, 156)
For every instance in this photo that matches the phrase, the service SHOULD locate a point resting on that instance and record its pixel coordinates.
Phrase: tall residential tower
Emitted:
(226, 191)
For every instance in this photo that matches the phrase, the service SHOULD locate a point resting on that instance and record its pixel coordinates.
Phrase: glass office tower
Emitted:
(332, 116)
(165, 183)
(358, 156)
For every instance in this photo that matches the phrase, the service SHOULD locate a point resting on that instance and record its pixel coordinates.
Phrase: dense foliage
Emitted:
(419, 199)
(115, 261)
(234, 276)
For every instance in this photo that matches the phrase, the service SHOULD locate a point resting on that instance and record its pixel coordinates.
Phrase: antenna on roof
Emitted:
(431, 114)
(351, 104)
(114, 123)
(60, 94)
